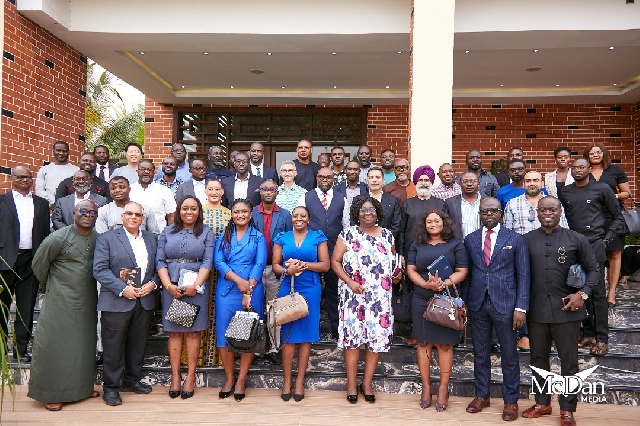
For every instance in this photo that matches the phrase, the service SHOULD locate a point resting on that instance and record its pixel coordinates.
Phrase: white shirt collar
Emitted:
(16, 194)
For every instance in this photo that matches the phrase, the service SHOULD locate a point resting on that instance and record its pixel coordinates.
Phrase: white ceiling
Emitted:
(500, 39)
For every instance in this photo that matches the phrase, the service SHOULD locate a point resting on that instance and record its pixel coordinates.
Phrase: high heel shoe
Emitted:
(226, 394)
(442, 407)
(238, 396)
(297, 397)
(286, 396)
(369, 398)
(188, 394)
(352, 398)
(426, 404)
(174, 393)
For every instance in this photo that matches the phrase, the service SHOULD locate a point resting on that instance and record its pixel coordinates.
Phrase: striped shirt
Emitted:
(470, 215)
(522, 217)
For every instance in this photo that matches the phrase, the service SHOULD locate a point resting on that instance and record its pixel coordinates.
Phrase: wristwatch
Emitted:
(583, 295)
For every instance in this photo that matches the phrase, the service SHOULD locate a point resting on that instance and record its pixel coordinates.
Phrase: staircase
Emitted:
(398, 371)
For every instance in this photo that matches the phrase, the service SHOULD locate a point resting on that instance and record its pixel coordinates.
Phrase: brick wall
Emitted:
(388, 127)
(43, 82)
(158, 130)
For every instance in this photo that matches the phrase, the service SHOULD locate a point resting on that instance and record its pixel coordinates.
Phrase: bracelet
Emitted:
(246, 295)
(167, 286)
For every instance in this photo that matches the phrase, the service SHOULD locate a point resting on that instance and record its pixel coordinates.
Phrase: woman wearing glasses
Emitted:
(602, 170)
(363, 260)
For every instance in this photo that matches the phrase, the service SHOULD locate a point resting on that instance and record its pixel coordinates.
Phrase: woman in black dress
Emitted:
(435, 236)
(602, 170)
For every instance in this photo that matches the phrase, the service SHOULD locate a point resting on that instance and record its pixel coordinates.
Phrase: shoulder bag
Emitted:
(246, 333)
(447, 311)
(285, 309)
(632, 219)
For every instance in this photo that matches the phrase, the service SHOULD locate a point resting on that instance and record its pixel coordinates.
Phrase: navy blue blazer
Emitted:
(253, 191)
(268, 173)
(281, 222)
(342, 188)
(328, 221)
(112, 253)
(506, 278)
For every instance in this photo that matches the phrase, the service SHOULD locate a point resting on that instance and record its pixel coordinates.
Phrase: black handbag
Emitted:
(246, 333)
(577, 277)
(632, 219)
(401, 301)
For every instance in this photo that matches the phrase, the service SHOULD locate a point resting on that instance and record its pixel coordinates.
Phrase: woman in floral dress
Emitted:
(363, 260)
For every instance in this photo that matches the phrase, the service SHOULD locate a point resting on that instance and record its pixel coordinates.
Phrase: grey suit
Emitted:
(124, 322)
(63, 213)
(184, 189)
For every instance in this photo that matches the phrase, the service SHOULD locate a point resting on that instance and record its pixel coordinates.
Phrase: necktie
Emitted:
(324, 200)
(486, 248)
(258, 172)
(101, 174)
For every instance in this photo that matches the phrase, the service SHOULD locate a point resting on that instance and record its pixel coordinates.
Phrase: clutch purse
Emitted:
(182, 313)
(442, 309)
(577, 277)
(286, 309)
(442, 266)
(246, 333)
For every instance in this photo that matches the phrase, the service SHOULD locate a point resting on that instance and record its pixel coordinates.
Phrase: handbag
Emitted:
(286, 309)
(246, 333)
(182, 313)
(443, 310)
(632, 219)
(401, 301)
(577, 277)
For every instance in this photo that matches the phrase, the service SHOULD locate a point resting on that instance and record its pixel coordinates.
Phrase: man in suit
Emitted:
(488, 185)
(352, 186)
(103, 166)
(98, 186)
(464, 209)
(25, 223)
(498, 299)
(271, 219)
(258, 168)
(63, 211)
(503, 177)
(195, 186)
(243, 184)
(126, 302)
(326, 208)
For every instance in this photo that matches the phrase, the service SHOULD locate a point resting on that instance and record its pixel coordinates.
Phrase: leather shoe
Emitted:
(24, 359)
(510, 412)
(478, 404)
(523, 344)
(566, 418)
(586, 342)
(536, 410)
(136, 387)
(112, 397)
(275, 358)
(495, 348)
(53, 406)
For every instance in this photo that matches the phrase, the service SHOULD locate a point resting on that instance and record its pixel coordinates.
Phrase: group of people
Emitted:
(345, 230)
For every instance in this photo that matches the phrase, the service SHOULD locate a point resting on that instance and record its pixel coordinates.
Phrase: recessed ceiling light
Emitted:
(467, 51)
(282, 87)
(615, 84)
(183, 86)
(205, 53)
(335, 87)
(142, 53)
(269, 53)
(557, 85)
(536, 50)
(256, 71)
(386, 87)
(231, 87)
(502, 85)
(611, 47)
(333, 53)
(399, 52)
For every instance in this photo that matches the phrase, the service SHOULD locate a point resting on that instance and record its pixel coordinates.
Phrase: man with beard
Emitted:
(402, 188)
(504, 178)
(169, 178)
(182, 168)
(516, 187)
(243, 184)
(258, 168)
(351, 187)
(337, 158)
(488, 185)
(390, 207)
(103, 166)
(326, 208)
(307, 169)
(413, 209)
(195, 186)
(148, 193)
(63, 211)
(364, 158)
(88, 164)
(387, 161)
(498, 299)
(216, 169)
(585, 202)
(464, 209)
(50, 176)
(555, 309)
(449, 187)
(324, 159)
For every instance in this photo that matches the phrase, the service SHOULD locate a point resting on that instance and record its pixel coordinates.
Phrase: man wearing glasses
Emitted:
(402, 188)
(488, 185)
(182, 168)
(289, 192)
(243, 184)
(196, 185)
(516, 187)
(63, 211)
(25, 224)
(148, 193)
(169, 178)
(98, 185)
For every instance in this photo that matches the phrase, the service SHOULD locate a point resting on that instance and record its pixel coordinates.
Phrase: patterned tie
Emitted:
(486, 248)
(324, 200)
(101, 174)
(258, 172)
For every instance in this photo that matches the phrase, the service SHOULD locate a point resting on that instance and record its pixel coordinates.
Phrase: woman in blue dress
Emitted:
(186, 244)
(240, 259)
(301, 254)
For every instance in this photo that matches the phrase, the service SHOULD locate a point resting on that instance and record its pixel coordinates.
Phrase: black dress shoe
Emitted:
(24, 359)
(297, 397)
(238, 396)
(99, 359)
(174, 393)
(137, 387)
(495, 348)
(275, 358)
(352, 398)
(112, 397)
(369, 398)
(186, 395)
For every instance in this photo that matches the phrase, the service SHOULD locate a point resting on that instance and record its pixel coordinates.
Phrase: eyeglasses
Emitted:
(532, 214)
(179, 150)
(486, 212)
(400, 168)
(287, 170)
(136, 214)
(80, 179)
(365, 210)
(580, 167)
(269, 190)
(595, 154)
(562, 255)
(516, 169)
(325, 177)
(199, 169)
(240, 161)
(22, 177)
(544, 210)
(468, 181)
(92, 213)
(164, 163)
(146, 169)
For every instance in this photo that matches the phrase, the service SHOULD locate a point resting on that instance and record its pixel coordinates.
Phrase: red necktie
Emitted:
(324, 200)
(486, 249)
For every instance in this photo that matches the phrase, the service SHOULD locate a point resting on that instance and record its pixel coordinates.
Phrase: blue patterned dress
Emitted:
(366, 318)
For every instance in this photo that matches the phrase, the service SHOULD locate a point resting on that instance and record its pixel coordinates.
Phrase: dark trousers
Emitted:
(25, 287)
(484, 321)
(630, 260)
(596, 324)
(331, 297)
(124, 338)
(566, 336)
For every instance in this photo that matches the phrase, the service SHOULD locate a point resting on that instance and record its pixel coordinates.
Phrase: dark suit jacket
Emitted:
(453, 208)
(391, 211)
(503, 178)
(328, 221)
(253, 191)
(113, 252)
(98, 186)
(10, 228)
(63, 212)
(342, 188)
(506, 278)
(281, 222)
(269, 173)
(184, 189)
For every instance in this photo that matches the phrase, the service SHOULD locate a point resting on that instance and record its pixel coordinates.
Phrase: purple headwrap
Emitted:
(424, 170)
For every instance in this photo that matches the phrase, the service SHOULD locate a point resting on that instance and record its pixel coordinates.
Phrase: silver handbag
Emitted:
(182, 313)
(245, 333)
(286, 309)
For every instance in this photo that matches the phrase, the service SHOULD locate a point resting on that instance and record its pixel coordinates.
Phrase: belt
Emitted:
(182, 260)
(23, 251)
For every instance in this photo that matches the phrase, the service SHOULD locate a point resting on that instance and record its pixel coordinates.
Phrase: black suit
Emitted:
(21, 280)
(267, 173)
(253, 191)
(98, 186)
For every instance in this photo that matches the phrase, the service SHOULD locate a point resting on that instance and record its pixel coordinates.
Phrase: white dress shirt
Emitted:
(241, 187)
(493, 237)
(199, 189)
(26, 211)
(159, 198)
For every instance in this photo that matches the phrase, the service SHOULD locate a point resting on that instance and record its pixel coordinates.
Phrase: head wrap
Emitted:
(424, 170)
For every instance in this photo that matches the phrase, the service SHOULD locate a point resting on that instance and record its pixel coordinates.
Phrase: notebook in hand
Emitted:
(131, 276)
(442, 266)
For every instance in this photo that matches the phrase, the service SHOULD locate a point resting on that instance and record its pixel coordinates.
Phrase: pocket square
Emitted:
(506, 248)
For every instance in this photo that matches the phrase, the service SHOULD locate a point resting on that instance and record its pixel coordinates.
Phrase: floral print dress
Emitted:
(366, 318)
